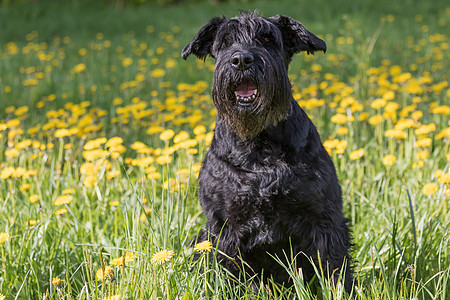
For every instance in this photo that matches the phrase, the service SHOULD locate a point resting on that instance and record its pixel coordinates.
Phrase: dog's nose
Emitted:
(242, 60)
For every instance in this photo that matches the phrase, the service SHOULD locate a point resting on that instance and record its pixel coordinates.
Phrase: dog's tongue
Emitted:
(246, 89)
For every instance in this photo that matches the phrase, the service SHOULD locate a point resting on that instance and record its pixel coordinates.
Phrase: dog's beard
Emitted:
(250, 101)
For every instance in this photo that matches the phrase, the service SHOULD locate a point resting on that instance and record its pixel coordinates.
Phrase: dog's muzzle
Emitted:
(246, 91)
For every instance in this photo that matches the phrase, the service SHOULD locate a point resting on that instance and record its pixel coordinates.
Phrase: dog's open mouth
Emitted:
(246, 93)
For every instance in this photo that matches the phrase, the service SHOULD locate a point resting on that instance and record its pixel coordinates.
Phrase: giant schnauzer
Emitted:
(267, 185)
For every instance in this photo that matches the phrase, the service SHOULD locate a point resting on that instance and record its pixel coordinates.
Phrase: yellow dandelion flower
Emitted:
(143, 216)
(340, 147)
(155, 129)
(164, 159)
(129, 257)
(389, 160)
(429, 188)
(113, 142)
(13, 122)
(12, 153)
(112, 174)
(425, 129)
(204, 246)
(391, 107)
(4, 236)
(342, 131)
(90, 181)
(19, 172)
(192, 151)
(418, 165)
(82, 51)
(34, 198)
(138, 145)
(25, 187)
(162, 257)
(188, 144)
(200, 129)
(375, 120)
(23, 144)
(196, 167)
(445, 133)
(7, 172)
(60, 133)
(157, 73)
(339, 119)
(444, 178)
(32, 222)
(154, 175)
(396, 133)
(170, 63)
(79, 68)
(87, 168)
(107, 274)
(389, 95)
(438, 173)
(183, 175)
(117, 101)
(444, 110)
(378, 103)
(95, 154)
(357, 154)
(423, 143)
(423, 154)
(208, 138)
(94, 144)
(363, 116)
(127, 62)
(170, 184)
(115, 155)
(30, 82)
(29, 173)
(166, 134)
(180, 137)
(68, 191)
(60, 212)
(114, 203)
(56, 281)
(405, 123)
(113, 297)
(64, 199)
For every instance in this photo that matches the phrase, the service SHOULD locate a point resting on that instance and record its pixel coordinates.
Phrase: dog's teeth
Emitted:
(247, 100)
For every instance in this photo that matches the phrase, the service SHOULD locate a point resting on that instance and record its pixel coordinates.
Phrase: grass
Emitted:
(104, 128)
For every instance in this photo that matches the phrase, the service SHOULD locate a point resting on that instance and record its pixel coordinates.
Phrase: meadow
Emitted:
(103, 128)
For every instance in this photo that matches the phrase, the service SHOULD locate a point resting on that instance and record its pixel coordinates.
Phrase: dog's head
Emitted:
(251, 86)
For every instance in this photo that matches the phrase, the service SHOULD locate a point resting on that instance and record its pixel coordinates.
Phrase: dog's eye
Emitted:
(227, 42)
(265, 39)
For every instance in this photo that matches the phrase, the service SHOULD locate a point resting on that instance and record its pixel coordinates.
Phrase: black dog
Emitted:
(267, 185)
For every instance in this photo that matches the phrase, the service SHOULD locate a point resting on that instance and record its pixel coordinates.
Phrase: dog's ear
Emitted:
(296, 37)
(201, 45)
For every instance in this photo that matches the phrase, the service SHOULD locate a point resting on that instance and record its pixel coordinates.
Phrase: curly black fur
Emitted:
(267, 185)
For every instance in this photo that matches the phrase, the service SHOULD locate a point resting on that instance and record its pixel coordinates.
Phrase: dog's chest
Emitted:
(247, 198)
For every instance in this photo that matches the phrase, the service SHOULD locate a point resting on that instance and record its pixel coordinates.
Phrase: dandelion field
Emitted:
(103, 133)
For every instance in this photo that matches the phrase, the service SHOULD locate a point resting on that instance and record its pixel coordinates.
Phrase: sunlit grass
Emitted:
(103, 142)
